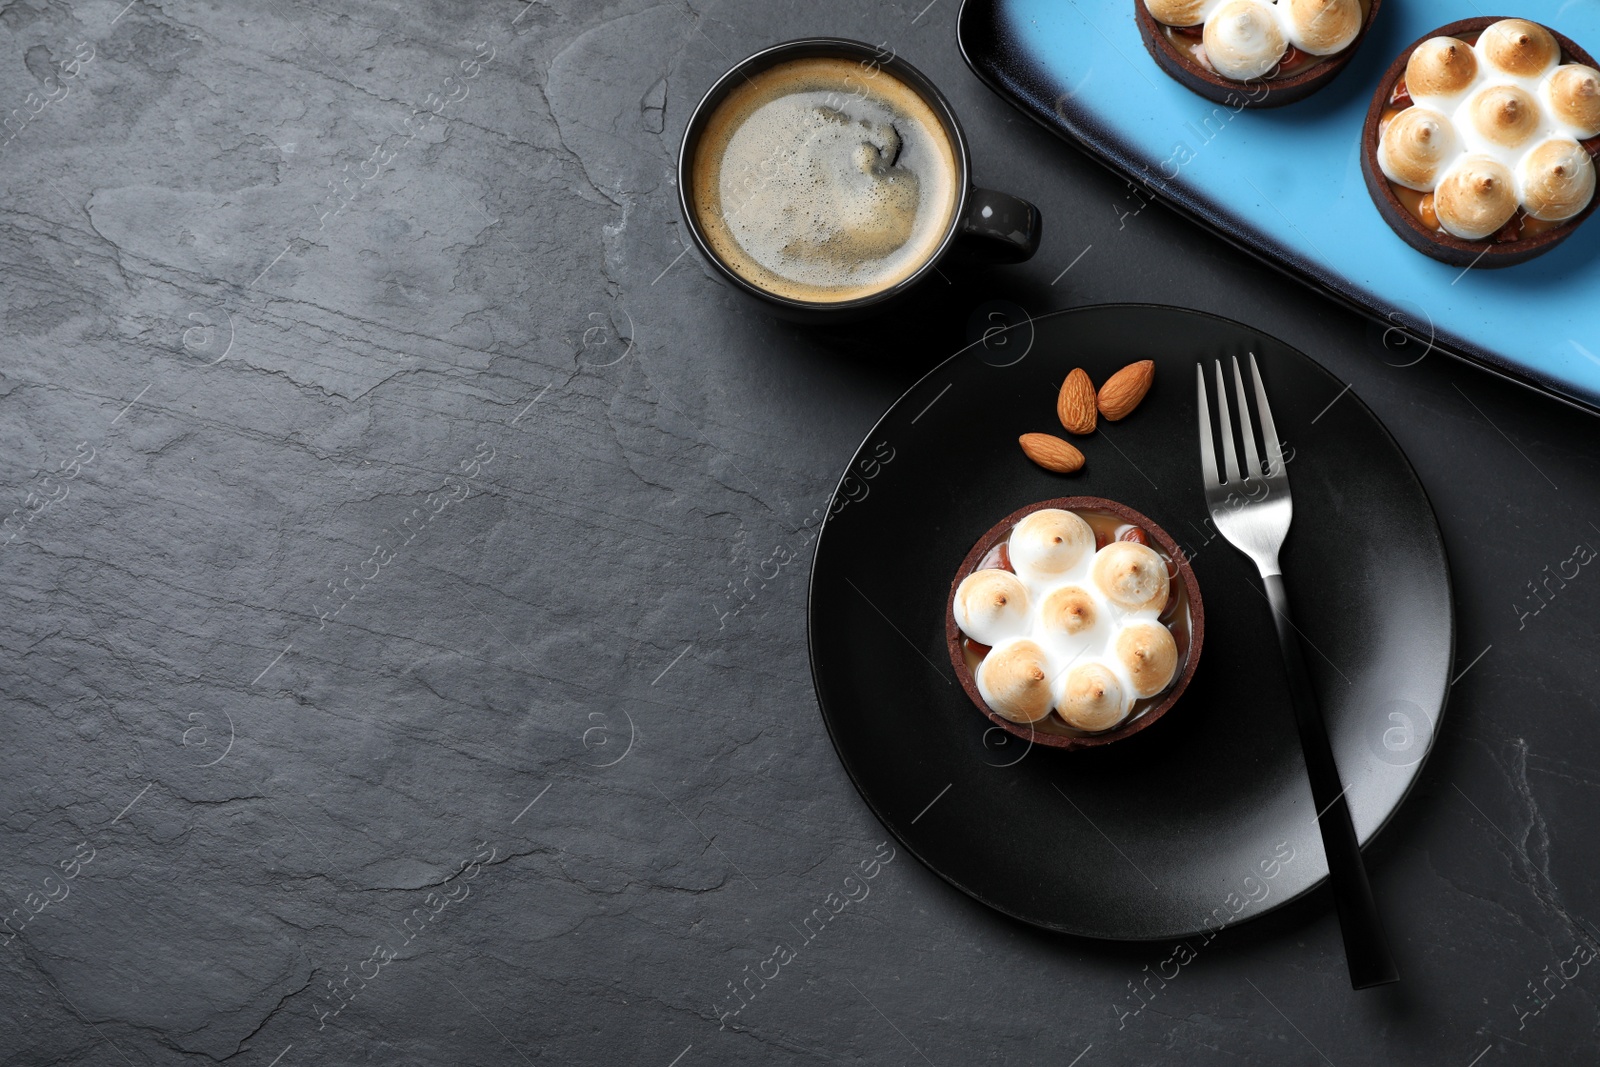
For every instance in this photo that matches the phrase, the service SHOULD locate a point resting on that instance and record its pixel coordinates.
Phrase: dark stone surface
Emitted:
(264, 799)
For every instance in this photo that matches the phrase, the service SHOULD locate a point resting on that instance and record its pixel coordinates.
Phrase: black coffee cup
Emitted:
(985, 226)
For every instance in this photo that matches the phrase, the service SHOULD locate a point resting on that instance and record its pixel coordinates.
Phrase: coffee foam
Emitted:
(819, 181)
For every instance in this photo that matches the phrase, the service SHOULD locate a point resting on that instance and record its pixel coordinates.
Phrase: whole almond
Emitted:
(1124, 389)
(1075, 407)
(1051, 453)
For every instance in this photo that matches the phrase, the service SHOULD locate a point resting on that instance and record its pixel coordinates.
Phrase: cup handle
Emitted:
(1006, 227)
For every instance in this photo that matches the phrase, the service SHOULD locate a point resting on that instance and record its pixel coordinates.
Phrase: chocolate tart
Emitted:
(1259, 93)
(1485, 254)
(1051, 730)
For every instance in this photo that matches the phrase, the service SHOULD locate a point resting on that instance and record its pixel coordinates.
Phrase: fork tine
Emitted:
(1231, 473)
(1252, 462)
(1269, 433)
(1208, 452)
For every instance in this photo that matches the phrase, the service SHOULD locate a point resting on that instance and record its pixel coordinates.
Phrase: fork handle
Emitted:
(1366, 946)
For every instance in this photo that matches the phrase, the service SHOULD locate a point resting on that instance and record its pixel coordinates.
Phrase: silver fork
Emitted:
(1252, 509)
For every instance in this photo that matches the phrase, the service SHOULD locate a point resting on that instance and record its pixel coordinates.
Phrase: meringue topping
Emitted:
(1086, 636)
(1048, 543)
(1069, 610)
(1131, 576)
(1440, 67)
(1322, 27)
(1572, 93)
(1243, 39)
(1519, 47)
(1557, 180)
(1091, 698)
(1476, 198)
(1071, 624)
(1247, 39)
(1150, 656)
(1504, 114)
(1178, 12)
(1013, 679)
(1414, 146)
(991, 605)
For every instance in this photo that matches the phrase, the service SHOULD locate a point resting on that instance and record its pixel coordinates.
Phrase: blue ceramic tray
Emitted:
(1285, 183)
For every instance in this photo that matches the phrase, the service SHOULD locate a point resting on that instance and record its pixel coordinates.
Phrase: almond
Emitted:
(1051, 453)
(1075, 406)
(1124, 389)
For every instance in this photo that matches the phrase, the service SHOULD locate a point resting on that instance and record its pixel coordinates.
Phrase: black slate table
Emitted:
(394, 668)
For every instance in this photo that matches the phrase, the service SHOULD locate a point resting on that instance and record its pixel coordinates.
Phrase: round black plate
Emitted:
(1185, 827)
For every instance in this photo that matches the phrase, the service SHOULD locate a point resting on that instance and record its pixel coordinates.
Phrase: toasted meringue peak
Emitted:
(1131, 576)
(1177, 12)
(1415, 144)
(1243, 40)
(1573, 93)
(991, 605)
(1150, 655)
(1557, 180)
(1322, 27)
(1504, 114)
(1475, 198)
(1440, 67)
(1068, 610)
(1014, 680)
(1091, 698)
(1517, 46)
(1048, 543)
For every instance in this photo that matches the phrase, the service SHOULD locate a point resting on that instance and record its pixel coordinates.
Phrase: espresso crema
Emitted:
(819, 181)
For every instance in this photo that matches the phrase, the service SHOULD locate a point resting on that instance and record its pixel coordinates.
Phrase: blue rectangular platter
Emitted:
(1285, 183)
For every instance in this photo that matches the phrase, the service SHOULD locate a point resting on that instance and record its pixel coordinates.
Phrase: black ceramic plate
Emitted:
(1185, 826)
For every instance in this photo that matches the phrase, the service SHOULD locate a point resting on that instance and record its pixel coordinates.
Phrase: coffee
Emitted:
(824, 181)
